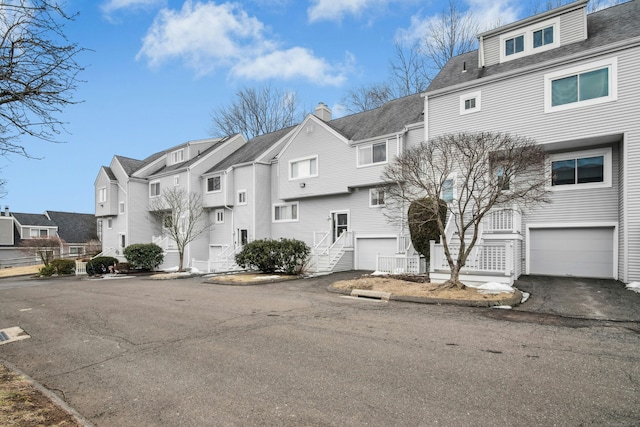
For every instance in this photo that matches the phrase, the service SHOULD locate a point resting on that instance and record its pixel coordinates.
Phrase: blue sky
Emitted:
(156, 69)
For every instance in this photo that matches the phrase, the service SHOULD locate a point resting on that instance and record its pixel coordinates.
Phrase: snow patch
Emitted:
(525, 297)
(493, 288)
(634, 286)
(503, 307)
(266, 277)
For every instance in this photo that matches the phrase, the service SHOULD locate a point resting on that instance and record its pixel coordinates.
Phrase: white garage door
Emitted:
(368, 248)
(579, 252)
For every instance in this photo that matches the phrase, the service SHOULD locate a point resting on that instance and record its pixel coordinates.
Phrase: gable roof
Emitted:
(129, 165)
(390, 118)
(607, 26)
(37, 220)
(180, 166)
(74, 227)
(250, 151)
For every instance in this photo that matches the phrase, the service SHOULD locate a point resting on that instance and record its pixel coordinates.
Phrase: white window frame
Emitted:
(176, 180)
(36, 233)
(219, 177)
(152, 184)
(371, 198)
(300, 160)
(570, 155)
(281, 205)
(219, 216)
(177, 156)
(527, 32)
(467, 97)
(102, 194)
(242, 197)
(453, 177)
(109, 223)
(121, 210)
(611, 63)
(370, 146)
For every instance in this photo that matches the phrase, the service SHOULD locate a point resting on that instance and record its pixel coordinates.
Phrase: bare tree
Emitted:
(452, 33)
(257, 111)
(366, 98)
(486, 169)
(38, 71)
(43, 247)
(408, 69)
(182, 216)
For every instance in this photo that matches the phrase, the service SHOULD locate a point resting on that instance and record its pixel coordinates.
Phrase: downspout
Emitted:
(481, 52)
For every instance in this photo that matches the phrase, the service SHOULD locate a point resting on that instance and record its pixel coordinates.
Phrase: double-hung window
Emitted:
(102, 194)
(177, 156)
(376, 197)
(154, 189)
(372, 154)
(285, 212)
(303, 168)
(448, 189)
(583, 169)
(242, 197)
(213, 184)
(584, 85)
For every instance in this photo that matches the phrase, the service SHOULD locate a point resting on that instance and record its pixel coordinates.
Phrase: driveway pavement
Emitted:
(598, 299)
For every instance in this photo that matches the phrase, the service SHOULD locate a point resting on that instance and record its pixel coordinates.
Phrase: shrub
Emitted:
(63, 266)
(423, 225)
(47, 270)
(123, 267)
(268, 256)
(144, 256)
(100, 265)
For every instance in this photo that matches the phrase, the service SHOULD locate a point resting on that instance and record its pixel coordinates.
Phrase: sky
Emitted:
(155, 70)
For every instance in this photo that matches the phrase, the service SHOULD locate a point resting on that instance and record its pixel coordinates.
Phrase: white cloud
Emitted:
(293, 63)
(111, 6)
(209, 36)
(335, 10)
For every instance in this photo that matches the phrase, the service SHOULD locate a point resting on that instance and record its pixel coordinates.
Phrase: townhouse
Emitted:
(564, 77)
(567, 79)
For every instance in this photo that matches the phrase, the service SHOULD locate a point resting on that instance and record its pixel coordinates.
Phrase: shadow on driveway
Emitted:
(598, 299)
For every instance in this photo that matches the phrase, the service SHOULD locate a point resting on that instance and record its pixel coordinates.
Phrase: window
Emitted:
(121, 208)
(285, 213)
(585, 169)
(213, 184)
(39, 232)
(376, 197)
(589, 84)
(154, 189)
(470, 103)
(177, 156)
(514, 45)
(219, 216)
(109, 223)
(242, 197)
(303, 168)
(448, 191)
(176, 180)
(102, 195)
(76, 250)
(543, 37)
(372, 154)
(503, 181)
(533, 39)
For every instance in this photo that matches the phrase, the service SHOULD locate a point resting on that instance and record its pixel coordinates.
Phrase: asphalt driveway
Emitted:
(598, 299)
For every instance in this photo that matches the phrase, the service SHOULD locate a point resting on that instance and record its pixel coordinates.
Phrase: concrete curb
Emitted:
(511, 300)
(49, 394)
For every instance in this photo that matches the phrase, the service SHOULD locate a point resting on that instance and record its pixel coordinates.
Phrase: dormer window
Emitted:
(177, 156)
(543, 37)
(514, 45)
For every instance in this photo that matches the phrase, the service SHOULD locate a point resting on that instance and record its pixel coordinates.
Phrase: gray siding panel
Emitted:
(492, 50)
(572, 27)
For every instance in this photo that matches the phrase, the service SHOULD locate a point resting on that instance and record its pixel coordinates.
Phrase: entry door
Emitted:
(340, 224)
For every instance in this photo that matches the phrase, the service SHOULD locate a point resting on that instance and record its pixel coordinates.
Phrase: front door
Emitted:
(340, 224)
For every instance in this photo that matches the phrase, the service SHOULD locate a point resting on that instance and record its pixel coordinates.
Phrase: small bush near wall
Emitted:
(269, 256)
(63, 266)
(100, 265)
(144, 256)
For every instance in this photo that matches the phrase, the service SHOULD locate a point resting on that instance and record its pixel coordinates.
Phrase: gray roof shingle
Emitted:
(37, 220)
(74, 227)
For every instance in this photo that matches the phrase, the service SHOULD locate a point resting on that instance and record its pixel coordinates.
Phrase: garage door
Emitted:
(368, 248)
(579, 252)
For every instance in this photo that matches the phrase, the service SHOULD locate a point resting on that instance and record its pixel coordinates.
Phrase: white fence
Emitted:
(484, 258)
(398, 264)
(81, 268)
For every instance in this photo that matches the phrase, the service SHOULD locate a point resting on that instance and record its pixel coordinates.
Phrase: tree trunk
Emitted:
(181, 259)
(454, 279)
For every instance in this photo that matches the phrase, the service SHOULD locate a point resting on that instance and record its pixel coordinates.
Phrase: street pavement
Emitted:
(187, 353)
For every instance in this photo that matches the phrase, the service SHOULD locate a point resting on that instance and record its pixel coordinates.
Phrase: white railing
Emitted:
(503, 220)
(225, 261)
(404, 244)
(320, 239)
(324, 257)
(489, 258)
(81, 268)
(398, 264)
(165, 242)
